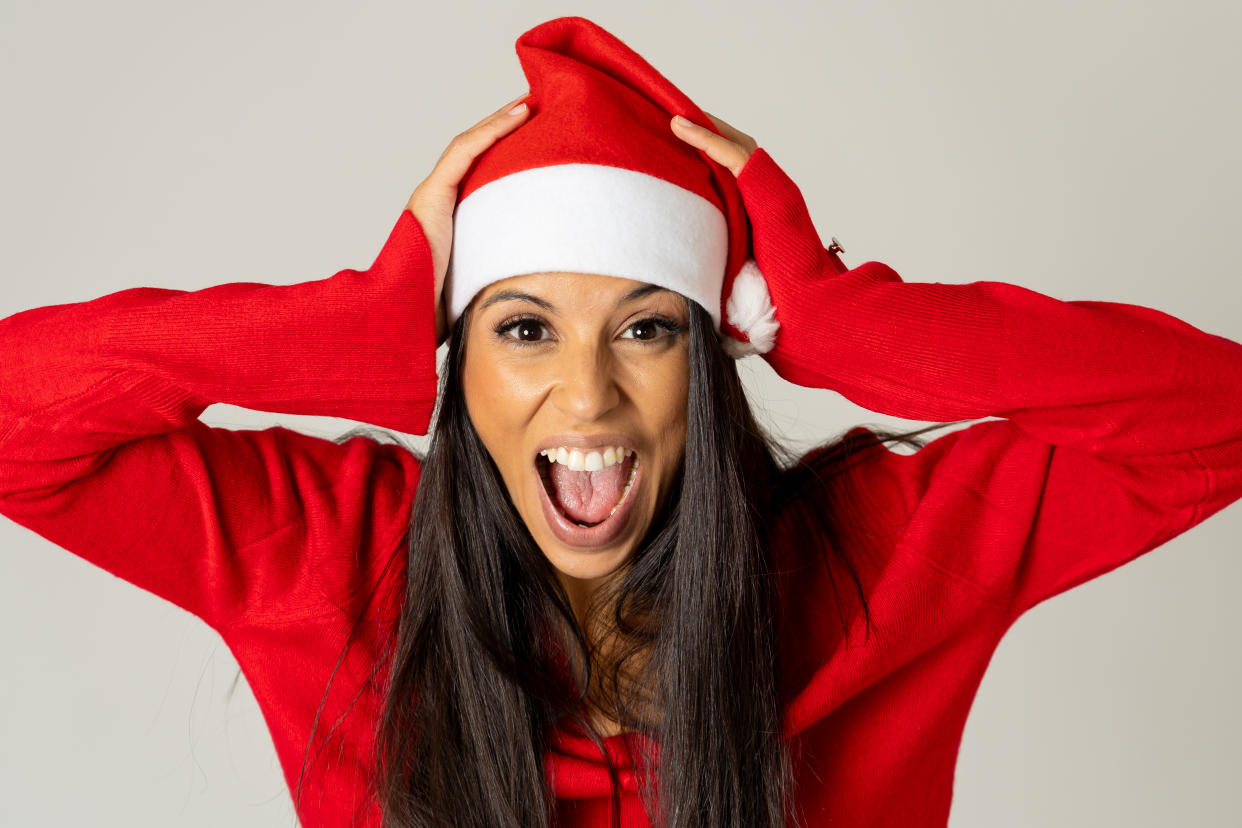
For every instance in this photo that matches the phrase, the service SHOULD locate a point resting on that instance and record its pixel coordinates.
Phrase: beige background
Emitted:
(1087, 150)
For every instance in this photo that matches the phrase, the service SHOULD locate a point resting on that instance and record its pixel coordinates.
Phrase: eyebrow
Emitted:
(505, 295)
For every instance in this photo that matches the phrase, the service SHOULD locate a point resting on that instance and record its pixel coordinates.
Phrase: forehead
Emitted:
(557, 288)
(562, 280)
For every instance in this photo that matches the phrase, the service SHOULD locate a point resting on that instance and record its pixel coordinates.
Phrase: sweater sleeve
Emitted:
(1122, 423)
(102, 452)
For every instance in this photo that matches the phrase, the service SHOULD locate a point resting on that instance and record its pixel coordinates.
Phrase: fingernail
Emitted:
(682, 122)
(518, 110)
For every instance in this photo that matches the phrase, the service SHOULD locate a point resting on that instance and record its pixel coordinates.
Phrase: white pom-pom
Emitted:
(749, 309)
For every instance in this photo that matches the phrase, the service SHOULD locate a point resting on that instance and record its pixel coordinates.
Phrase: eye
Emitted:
(522, 330)
(531, 330)
(652, 328)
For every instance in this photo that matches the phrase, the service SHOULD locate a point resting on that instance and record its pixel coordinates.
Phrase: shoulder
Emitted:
(864, 485)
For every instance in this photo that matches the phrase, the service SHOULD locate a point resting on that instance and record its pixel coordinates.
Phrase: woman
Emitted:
(748, 633)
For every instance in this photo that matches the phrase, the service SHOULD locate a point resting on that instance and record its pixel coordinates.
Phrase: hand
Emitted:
(435, 199)
(732, 148)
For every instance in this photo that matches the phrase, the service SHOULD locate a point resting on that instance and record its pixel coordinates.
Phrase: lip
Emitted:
(570, 533)
(587, 441)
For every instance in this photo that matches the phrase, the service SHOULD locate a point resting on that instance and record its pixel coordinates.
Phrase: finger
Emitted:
(502, 110)
(466, 146)
(733, 133)
(487, 130)
(719, 148)
(725, 129)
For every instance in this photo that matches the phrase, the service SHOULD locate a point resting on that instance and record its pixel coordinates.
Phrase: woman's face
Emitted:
(578, 365)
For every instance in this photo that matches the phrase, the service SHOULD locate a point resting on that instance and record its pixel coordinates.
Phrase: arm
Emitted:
(1126, 420)
(101, 451)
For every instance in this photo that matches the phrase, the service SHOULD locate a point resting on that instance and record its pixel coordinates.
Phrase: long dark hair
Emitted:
(476, 665)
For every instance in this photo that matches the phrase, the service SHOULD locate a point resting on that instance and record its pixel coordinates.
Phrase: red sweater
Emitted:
(1121, 428)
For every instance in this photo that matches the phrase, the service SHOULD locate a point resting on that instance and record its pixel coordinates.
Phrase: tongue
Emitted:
(587, 496)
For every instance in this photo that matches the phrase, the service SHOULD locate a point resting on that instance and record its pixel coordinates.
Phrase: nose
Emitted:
(586, 386)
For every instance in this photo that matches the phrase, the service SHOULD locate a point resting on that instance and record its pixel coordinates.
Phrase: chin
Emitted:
(587, 566)
(587, 563)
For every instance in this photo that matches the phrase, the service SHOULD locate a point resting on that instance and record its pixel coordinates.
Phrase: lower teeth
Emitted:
(626, 490)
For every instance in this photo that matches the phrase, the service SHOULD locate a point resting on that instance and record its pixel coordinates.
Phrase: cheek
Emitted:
(482, 392)
(662, 399)
(670, 389)
(498, 389)
(498, 400)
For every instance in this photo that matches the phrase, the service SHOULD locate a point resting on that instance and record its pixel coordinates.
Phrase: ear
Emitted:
(749, 308)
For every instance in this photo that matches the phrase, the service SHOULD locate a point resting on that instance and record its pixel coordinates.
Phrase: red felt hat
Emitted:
(595, 181)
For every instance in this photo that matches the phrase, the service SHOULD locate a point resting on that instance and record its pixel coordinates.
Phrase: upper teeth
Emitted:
(588, 461)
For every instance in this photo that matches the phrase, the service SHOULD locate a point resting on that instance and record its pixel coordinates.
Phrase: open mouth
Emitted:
(588, 497)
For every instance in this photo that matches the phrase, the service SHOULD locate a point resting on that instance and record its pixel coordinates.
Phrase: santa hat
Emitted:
(595, 181)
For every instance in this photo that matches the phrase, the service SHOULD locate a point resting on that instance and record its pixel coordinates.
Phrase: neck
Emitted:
(603, 648)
